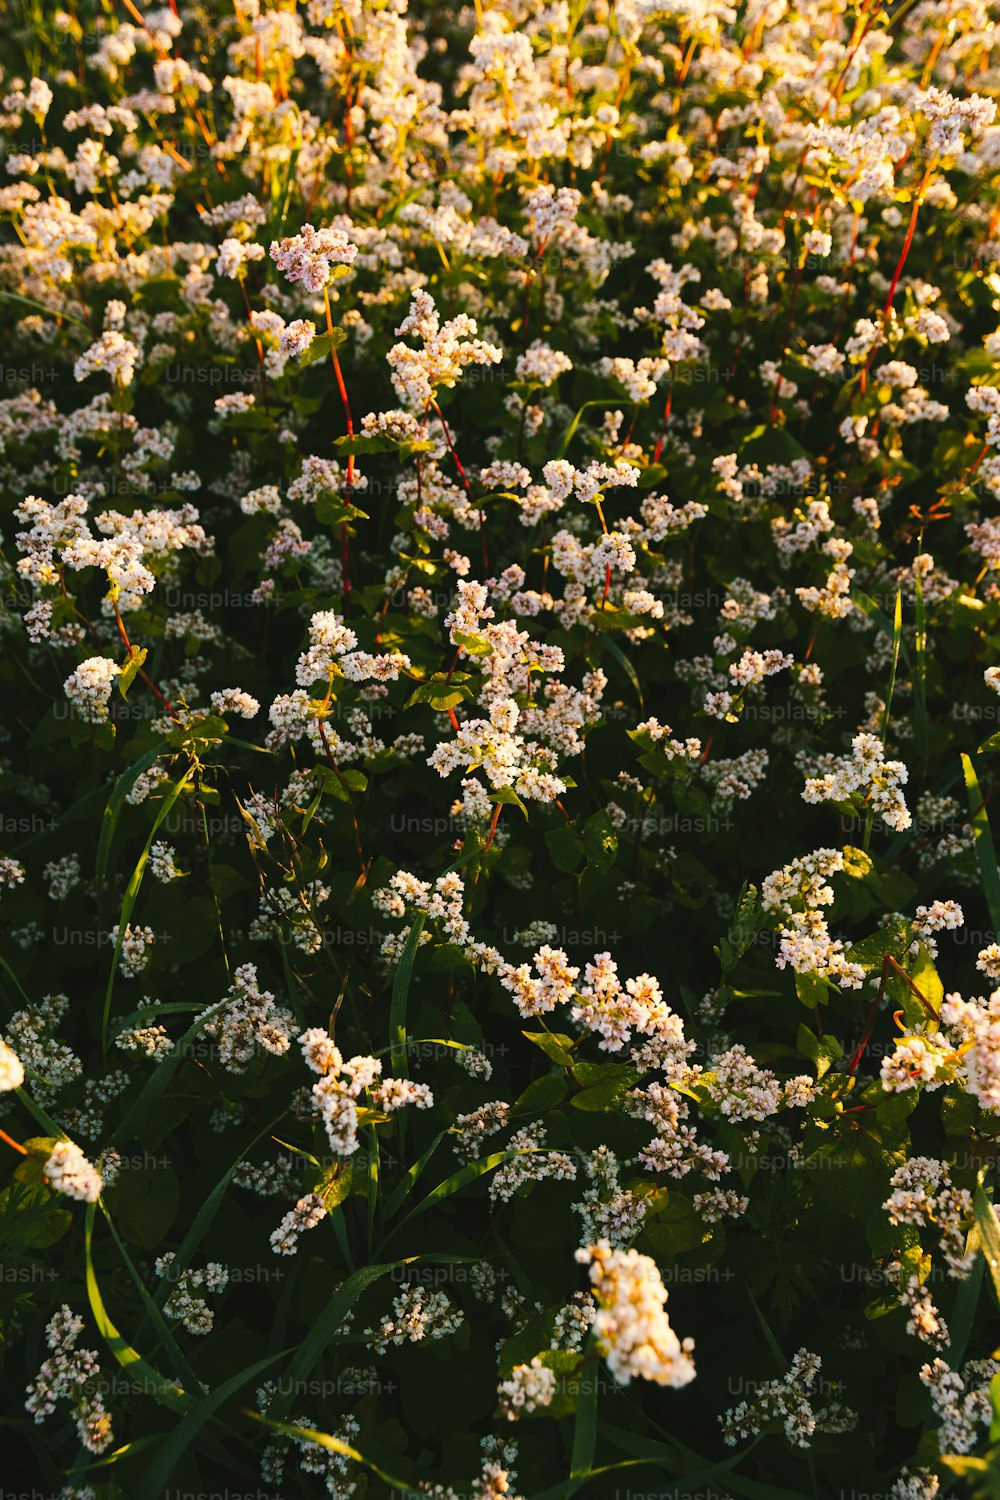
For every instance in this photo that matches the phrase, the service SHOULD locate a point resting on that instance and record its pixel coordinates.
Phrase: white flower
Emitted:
(527, 1388)
(235, 255)
(89, 687)
(865, 772)
(307, 1213)
(112, 353)
(311, 255)
(447, 349)
(632, 1326)
(11, 1071)
(68, 1171)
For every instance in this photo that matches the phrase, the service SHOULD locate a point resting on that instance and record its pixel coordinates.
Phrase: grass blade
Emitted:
(166, 1392)
(695, 1469)
(897, 637)
(335, 1445)
(325, 1327)
(132, 895)
(156, 1085)
(400, 993)
(571, 429)
(456, 1182)
(115, 1456)
(920, 675)
(613, 649)
(180, 1439)
(37, 1112)
(401, 1191)
(17, 983)
(116, 802)
(963, 1315)
(206, 1213)
(771, 1341)
(50, 312)
(985, 850)
(374, 1164)
(585, 1425)
(163, 1333)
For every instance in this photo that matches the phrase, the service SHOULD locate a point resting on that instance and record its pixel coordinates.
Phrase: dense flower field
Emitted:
(501, 667)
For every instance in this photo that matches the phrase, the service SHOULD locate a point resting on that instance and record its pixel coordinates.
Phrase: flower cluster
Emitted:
(70, 1374)
(790, 1402)
(632, 1326)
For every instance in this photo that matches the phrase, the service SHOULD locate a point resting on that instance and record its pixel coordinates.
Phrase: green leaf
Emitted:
(617, 1080)
(565, 847)
(505, 796)
(541, 1095)
(925, 976)
(322, 345)
(145, 1202)
(870, 951)
(378, 442)
(812, 989)
(332, 510)
(335, 1184)
(439, 694)
(610, 618)
(340, 784)
(676, 1228)
(573, 1377)
(600, 842)
(857, 863)
(822, 1052)
(29, 1216)
(472, 643)
(130, 671)
(989, 1230)
(208, 729)
(554, 1044)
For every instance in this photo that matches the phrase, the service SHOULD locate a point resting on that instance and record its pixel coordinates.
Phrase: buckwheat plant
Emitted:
(500, 614)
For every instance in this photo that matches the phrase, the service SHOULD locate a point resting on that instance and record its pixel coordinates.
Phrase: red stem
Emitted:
(9, 1141)
(906, 250)
(493, 826)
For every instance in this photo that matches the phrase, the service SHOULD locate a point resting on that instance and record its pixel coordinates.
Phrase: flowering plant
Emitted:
(502, 651)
